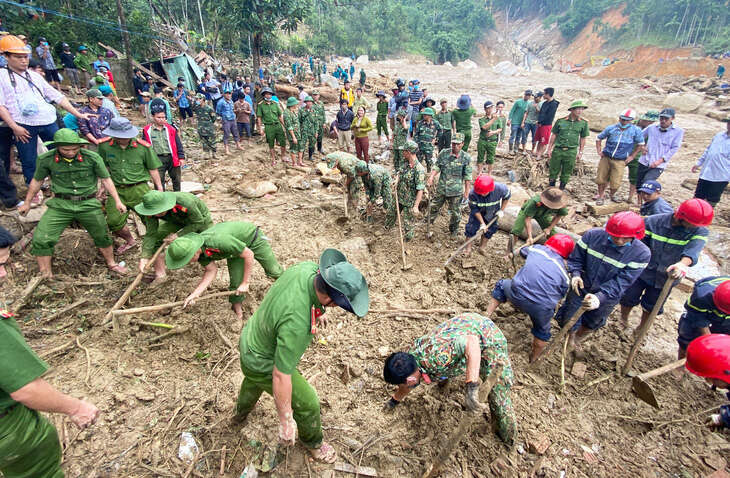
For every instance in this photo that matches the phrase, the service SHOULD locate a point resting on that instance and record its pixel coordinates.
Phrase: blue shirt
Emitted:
(620, 143)
(70, 122)
(416, 95)
(700, 308)
(182, 98)
(607, 270)
(715, 161)
(488, 205)
(661, 144)
(224, 109)
(657, 206)
(543, 279)
(668, 245)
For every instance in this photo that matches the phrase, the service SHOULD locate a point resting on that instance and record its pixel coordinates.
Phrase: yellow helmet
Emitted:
(12, 44)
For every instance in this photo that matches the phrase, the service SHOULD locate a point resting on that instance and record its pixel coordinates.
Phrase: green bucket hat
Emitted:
(346, 285)
(651, 115)
(457, 138)
(291, 101)
(410, 146)
(577, 104)
(182, 249)
(361, 167)
(427, 111)
(65, 136)
(155, 202)
(309, 98)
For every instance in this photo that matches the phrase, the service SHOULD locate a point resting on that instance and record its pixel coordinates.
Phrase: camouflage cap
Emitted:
(410, 146)
(315, 92)
(200, 96)
(651, 115)
(457, 138)
(402, 112)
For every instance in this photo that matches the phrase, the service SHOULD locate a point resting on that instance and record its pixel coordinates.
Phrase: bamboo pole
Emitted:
(168, 305)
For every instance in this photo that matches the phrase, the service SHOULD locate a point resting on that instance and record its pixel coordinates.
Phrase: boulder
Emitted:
(330, 81)
(504, 68)
(192, 187)
(363, 60)
(257, 189)
(599, 116)
(449, 64)
(467, 65)
(684, 102)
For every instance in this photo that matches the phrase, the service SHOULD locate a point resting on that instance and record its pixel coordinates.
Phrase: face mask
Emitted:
(624, 126)
(613, 243)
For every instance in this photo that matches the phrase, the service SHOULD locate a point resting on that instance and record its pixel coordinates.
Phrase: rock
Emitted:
(579, 369)
(538, 445)
(383, 351)
(684, 102)
(331, 179)
(144, 396)
(138, 372)
(467, 65)
(449, 64)
(257, 189)
(363, 59)
(504, 68)
(354, 246)
(330, 81)
(298, 182)
(519, 194)
(192, 187)
(499, 467)
(717, 115)
(599, 117)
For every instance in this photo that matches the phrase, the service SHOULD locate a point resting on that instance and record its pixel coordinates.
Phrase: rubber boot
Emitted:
(562, 186)
(552, 183)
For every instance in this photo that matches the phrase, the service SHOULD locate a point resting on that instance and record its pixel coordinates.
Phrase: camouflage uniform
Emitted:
(318, 72)
(424, 136)
(291, 123)
(400, 136)
(377, 184)
(347, 164)
(309, 125)
(206, 125)
(318, 108)
(454, 170)
(410, 181)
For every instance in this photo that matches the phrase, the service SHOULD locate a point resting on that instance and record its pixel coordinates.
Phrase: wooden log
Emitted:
(555, 342)
(357, 470)
(168, 305)
(609, 208)
(63, 311)
(27, 292)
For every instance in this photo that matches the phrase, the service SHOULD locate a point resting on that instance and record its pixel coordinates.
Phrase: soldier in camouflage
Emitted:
(321, 120)
(293, 131)
(410, 188)
(309, 125)
(206, 124)
(400, 136)
(454, 169)
(376, 180)
(426, 135)
(347, 164)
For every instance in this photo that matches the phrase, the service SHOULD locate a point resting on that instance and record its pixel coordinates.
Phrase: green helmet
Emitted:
(411, 146)
(65, 137)
(291, 101)
(402, 112)
(577, 104)
(427, 111)
(156, 202)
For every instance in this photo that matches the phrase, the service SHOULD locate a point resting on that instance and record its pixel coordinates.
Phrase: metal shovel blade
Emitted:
(644, 391)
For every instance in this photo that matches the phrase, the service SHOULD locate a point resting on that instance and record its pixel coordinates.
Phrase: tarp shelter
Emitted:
(173, 67)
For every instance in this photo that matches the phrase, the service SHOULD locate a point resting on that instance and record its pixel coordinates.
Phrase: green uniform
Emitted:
(453, 171)
(130, 170)
(277, 335)
(442, 354)
(462, 118)
(358, 103)
(309, 125)
(269, 114)
(318, 108)
(74, 186)
(410, 181)
(535, 209)
(377, 185)
(227, 240)
(29, 446)
(400, 136)
(206, 125)
(190, 214)
(381, 123)
(425, 135)
(83, 63)
(346, 164)
(568, 135)
(291, 124)
(445, 120)
(487, 145)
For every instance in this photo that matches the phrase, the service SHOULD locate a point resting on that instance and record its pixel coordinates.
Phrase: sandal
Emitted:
(118, 269)
(325, 453)
(125, 247)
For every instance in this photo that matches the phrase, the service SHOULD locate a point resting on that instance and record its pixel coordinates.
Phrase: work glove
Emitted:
(500, 214)
(471, 396)
(390, 404)
(576, 283)
(483, 227)
(590, 302)
(677, 271)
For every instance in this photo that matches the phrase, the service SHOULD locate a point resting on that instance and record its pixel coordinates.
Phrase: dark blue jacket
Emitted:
(543, 279)
(668, 245)
(607, 270)
(488, 204)
(700, 308)
(657, 206)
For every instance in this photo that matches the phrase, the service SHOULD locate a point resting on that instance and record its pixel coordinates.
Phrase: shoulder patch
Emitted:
(144, 143)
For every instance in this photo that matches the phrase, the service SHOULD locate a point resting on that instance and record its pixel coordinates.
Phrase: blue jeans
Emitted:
(28, 152)
(540, 315)
(517, 134)
(8, 192)
(529, 128)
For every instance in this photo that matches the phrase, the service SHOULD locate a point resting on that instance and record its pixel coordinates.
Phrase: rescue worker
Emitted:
(567, 140)
(643, 122)
(205, 116)
(675, 240)
(487, 200)
(707, 311)
(131, 163)
(651, 201)
(236, 241)
(708, 356)
(538, 287)
(376, 180)
(381, 122)
(426, 135)
(269, 113)
(461, 117)
(490, 129)
(293, 131)
(29, 446)
(399, 138)
(410, 186)
(321, 119)
(467, 344)
(74, 173)
(546, 208)
(347, 164)
(454, 170)
(447, 125)
(180, 213)
(309, 126)
(602, 267)
(278, 333)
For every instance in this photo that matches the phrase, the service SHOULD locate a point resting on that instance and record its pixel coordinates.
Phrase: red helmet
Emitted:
(721, 297)
(626, 224)
(697, 212)
(709, 356)
(562, 244)
(484, 184)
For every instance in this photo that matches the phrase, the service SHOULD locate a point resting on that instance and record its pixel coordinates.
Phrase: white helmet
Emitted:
(627, 114)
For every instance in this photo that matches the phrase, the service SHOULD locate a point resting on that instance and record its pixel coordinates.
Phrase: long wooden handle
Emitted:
(644, 330)
(400, 228)
(120, 302)
(517, 250)
(662, 370)
(469, 241)
(558, 338)
(169, 305)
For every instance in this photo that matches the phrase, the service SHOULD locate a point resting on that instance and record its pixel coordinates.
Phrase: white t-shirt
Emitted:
(25, 101)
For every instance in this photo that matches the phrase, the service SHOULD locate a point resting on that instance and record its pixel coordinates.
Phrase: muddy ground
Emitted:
(151, 391)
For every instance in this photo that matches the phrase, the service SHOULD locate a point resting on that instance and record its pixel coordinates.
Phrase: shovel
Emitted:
(643, 390)
(471, 240)
(513, 252)
(400, 232)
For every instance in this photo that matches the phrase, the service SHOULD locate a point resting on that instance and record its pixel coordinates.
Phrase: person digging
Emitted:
(708, 356)
(74, 173)
(239, 243)
(169, 215)
(278, 333)
(488, 199)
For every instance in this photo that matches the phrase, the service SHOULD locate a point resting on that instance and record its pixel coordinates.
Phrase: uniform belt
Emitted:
(615, 159)
(71, 197)
(127, 186)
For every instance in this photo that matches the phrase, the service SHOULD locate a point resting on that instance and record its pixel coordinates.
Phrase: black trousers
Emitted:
(174, 172)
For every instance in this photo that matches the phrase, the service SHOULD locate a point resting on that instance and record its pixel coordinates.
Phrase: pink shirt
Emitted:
(24, 101)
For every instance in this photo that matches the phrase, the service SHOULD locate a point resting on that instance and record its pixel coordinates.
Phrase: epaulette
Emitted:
(144, 143)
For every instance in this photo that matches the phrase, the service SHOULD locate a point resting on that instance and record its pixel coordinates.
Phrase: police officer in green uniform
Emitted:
(381, 122)
(236, 241)
(490, 128)
(277, 334)
(447, 124)
(347, 164)
(376, 181)
(454, 169)
(547, 208)
(411, 183)
(321, 119)
(29, 445)
(293, 130)
(180, 213)
(131, 163)
(74, 173)
(206, 118)
(269, 113)
(567, 141)
(426, 134)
